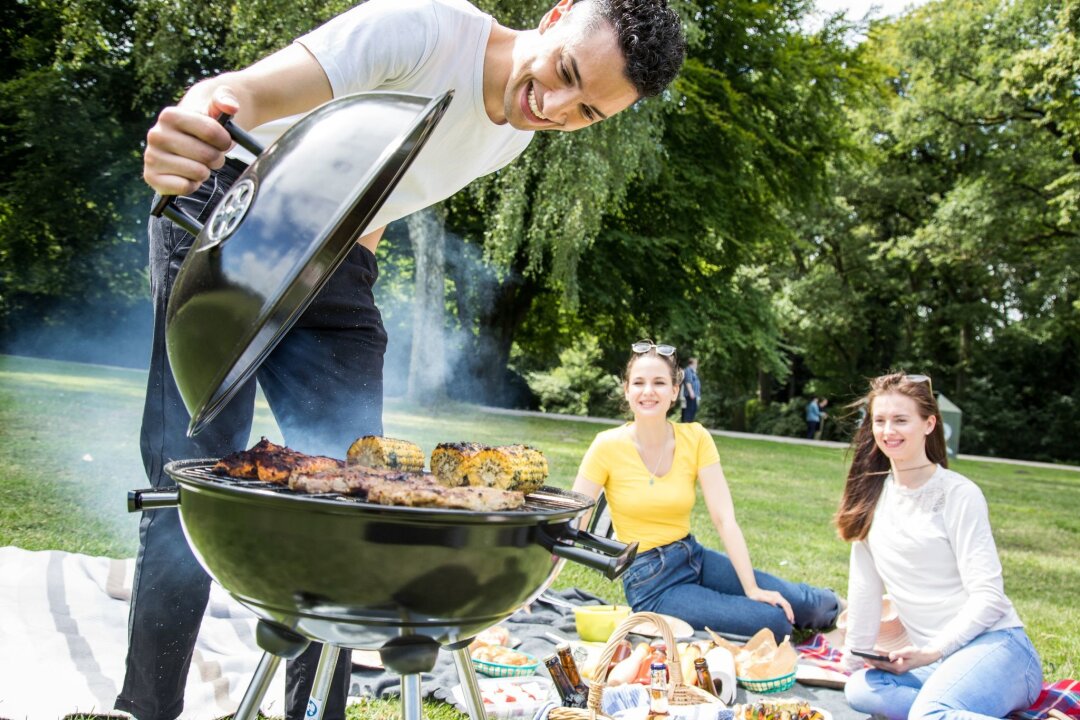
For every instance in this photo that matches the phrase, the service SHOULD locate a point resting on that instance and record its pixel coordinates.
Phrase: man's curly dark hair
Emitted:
(650, 36)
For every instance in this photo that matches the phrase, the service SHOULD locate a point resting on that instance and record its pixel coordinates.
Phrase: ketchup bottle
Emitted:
(658, 654)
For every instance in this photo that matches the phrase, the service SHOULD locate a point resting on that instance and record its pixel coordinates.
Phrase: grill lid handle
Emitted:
(165, 204)
(608, 556)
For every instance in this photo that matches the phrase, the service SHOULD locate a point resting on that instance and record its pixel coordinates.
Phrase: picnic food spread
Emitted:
(388, 471)
(761, 657)
(777, 710)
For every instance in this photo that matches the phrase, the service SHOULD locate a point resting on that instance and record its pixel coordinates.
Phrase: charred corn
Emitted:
(450, 462)
(386, 453)
(510, 467)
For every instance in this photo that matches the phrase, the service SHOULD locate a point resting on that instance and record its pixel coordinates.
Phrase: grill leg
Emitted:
(320, 688)
(470, 686)
(260, 683)
(412, 705)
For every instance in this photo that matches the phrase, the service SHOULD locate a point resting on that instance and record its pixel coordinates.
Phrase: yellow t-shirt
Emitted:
(653, 514)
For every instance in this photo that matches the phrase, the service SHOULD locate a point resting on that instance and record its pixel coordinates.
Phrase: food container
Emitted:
(769, 685)
(499, 670)
(508, 698)
(595, 623)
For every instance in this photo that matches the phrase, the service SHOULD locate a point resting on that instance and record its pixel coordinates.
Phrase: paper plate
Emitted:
(679, 628)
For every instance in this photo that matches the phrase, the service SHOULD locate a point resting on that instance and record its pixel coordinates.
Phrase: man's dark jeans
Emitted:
(323, 382)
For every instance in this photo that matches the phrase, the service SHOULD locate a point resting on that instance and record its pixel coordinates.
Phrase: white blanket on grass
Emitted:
(63, 640)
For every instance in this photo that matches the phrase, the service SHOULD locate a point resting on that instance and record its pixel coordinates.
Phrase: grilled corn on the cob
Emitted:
(509, 467)
(386, 453)
(450, 462)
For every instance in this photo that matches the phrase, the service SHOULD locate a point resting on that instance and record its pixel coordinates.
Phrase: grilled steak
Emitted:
(411, 489)
(351, 480)
(432, 494)
(272, 463)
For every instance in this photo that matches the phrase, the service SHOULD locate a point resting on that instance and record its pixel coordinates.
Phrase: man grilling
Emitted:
(585, 62)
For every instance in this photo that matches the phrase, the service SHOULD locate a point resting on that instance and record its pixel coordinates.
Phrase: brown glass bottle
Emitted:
(566, 659)
(567, 692)
(704, 677)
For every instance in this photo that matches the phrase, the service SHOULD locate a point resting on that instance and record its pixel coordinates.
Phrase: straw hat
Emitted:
(891, 635)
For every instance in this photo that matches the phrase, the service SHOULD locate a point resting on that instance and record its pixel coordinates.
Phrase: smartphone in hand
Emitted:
(871, 655)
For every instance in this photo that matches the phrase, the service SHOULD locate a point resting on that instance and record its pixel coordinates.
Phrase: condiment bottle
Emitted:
(657, 654)
(626, 670)
(658, 695)
(622, 651)
(567, 692)
(704, 677)
(566, 659)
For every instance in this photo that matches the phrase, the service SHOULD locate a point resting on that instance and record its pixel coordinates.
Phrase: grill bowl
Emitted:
(356, 574)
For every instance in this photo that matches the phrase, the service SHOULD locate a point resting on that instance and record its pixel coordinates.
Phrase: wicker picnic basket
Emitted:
(679, 692)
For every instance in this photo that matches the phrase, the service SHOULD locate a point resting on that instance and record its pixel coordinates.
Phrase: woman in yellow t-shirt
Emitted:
(647, 470)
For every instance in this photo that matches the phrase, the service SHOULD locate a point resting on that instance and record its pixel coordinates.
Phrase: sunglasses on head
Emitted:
(644, 346)
(919, 379)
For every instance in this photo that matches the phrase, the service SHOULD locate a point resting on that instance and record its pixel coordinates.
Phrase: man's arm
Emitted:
(187, 141)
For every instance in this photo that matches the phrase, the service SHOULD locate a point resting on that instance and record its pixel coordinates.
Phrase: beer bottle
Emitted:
(566, 659)
(567, 692)
(704, 677)
(658, 692)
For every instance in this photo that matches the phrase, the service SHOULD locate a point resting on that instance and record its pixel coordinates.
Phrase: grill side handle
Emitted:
(152, 499)
(608, 556)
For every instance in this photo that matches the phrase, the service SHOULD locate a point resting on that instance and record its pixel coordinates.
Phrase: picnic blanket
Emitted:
(63, 639)
(1062, 696)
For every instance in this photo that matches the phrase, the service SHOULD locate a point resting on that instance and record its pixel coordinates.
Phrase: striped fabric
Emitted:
(63, 639)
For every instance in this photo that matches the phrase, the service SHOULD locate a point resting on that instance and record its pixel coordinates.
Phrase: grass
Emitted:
(69, 443)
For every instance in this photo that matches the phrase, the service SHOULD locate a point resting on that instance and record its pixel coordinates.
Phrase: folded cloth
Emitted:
(1062, 696)
(817, 651)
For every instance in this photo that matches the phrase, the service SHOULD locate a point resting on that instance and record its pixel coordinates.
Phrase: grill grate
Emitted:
(547, 499)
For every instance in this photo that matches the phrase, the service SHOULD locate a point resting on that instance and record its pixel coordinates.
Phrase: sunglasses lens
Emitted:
(640, 347)
(665, 350)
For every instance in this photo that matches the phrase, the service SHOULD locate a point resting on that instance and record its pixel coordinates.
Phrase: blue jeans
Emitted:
(995, 674)
(700, 586)
(323, 382)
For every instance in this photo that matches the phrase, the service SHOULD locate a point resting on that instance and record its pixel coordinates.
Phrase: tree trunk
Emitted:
(427, 361)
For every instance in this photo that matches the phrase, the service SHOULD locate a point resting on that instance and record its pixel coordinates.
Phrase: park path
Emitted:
(755, 436)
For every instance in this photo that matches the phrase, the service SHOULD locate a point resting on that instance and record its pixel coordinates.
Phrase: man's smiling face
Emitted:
(567, 77)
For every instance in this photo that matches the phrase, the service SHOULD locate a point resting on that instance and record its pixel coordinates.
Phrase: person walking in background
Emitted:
(649, 470)
(584, 62)
(814, 416)
(691, 391)
(923, 532)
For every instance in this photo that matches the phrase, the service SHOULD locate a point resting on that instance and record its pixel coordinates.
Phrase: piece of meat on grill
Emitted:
(351, 480)
(434, 495)
(410, 489)
(269, 462)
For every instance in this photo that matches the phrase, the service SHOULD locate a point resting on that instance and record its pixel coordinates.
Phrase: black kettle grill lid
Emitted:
(277, 236)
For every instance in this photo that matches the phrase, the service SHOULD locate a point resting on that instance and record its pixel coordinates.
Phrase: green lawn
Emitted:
(69, 446)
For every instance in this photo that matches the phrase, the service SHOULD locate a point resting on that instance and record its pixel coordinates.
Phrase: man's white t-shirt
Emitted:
(423, 47)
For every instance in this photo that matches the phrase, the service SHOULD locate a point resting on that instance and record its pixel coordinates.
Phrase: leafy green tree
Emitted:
(953, 249)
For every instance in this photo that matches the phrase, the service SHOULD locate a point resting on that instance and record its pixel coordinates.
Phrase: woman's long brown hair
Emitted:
(869, 465)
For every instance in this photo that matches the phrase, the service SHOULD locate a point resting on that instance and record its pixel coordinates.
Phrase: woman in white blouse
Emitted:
(921, 533)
